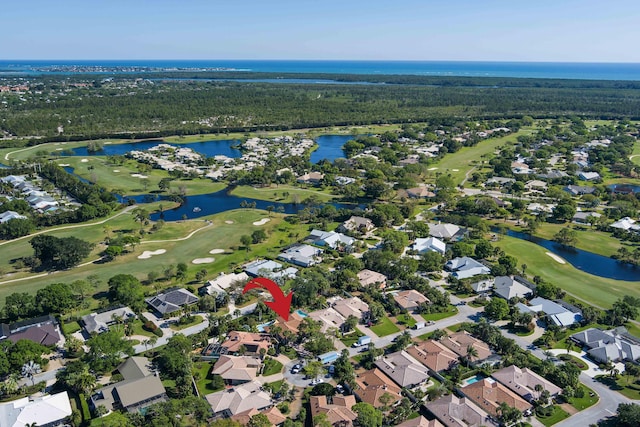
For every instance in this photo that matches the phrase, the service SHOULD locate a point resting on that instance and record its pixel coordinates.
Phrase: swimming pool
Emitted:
(302, 313)
(472, 380)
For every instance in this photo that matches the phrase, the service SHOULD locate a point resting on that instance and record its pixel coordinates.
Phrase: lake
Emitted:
(591, 263)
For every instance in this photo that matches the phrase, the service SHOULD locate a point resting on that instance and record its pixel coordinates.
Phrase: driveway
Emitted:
(168, 332)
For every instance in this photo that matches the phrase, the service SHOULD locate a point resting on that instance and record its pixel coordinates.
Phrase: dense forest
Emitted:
(129, 107)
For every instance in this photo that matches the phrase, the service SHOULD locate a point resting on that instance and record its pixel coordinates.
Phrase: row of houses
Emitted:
(37, 198)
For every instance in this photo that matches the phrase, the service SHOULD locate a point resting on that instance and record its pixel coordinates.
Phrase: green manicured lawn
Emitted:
(459, 163)
(622, 385)
(406, 320)
(592, 289)
(452, 311)
(454, 328)
(586, 401)
(351, 338)
(204, 382)
(281, 193)
(556, 416)
(385, 327)
(271, 367)
(137, 328)
(195, 321)
(69, 328)
(276, 385)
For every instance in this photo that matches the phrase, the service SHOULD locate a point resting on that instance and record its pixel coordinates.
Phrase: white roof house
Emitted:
(302, 255)
(507, 288)
(463, 267)
(331, 239)
(626, 224)
(430, 244)
(41, 411)
(220, 284)
(9, 215)
(589, 176)
(609, 345)
(556, 313)
(443, 231)
(482, 286)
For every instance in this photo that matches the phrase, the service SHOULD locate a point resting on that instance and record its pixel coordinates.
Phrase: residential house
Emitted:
(236, 370)
(403, 369)
(356, 224)
(302, 255)
(585, 217)
(464, 267)
(558, 312)
(171, 301)
(9, 215)
(273, 414)
(579, 190)
(43, 330)
(498, 180)
(270, 269)
(453, 411)
(328, 318)
(410, 299)
(420, 193)
(239, 399)
(459, 343)
(331, 239)
(313, 178)
(536, 185)
(368, 277)
(248, 342)
(96, 323)
(220, 284)
(353, 306)
(139, 389)
(507, 287)
(14, 180)
(44, 411)
(626, 224)
(373, 384)
(614, 345)
(430, 244)
(523, 382)
(520, 168)
(589, 176)
(433, 355)
(488, 394)
(538, 209)
(421, 422)
(444, 231)
(344, 180)
(338, 411)
(292, 325)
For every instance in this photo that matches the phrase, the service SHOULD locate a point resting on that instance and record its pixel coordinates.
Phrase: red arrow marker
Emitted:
(280, 304)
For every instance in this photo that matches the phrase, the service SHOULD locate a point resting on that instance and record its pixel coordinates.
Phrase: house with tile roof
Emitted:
(356, 223)
(251, 342)
(328, 318)
(96, 323)
(488, 394)
(236, 370)
(453, 411)
(614, 345)
(403, 369)
(373, 384)
(507, 287)
(338, 410)
(433, 355)
(239, 399)
(353, 306)
(421, 422)
(523, 382)
(273, 414)
(369, 277)
(444, 231)
(43, 330)
(459, 342)
(410, 299)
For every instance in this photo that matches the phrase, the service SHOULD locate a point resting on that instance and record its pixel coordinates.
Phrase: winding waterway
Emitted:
(591, 263)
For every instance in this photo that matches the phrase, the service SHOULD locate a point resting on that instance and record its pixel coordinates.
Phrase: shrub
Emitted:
(158, 332)
(149, 326)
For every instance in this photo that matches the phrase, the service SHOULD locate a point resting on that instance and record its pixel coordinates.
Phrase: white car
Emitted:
(316, 381)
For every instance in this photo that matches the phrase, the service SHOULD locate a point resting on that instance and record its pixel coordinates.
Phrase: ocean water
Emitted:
(551, 70)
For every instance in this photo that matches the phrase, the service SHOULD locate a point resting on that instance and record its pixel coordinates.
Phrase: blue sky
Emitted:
(471, 30)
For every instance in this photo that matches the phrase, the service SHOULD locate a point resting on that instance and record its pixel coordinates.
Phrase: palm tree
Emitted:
(472, 352)
(538, 388)
(30, 369)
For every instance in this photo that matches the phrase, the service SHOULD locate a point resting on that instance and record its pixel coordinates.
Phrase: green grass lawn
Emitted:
(452, 311)
(586, 401)
(592, 289)
(574, 361)
(385, 327)
(407, 320)
(195, 321)
(556, 416)
(622, 384)
(137, 328)
(351, 338)
(277, 193)
(276, 385)
(204, 382)
(454, 328)
(69, 328)
(462, 161)
(271, 367)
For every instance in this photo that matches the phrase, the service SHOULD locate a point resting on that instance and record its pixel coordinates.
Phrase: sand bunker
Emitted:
(203, 260)
(116, 170)
(432, 169)
(455, 170)
(228, 221)
(216, 251)
(556, 258)
(63, 164)
(84, 160)
(149, 254)
(59, 149)
(263, 221)
(137, 175)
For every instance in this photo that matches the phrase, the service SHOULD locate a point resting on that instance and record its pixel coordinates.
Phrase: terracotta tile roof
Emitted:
(433, 355)
(373, 384)
(488, 394)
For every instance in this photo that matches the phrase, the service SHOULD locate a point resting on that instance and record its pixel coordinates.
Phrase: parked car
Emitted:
(339, 389)
(316, 381)
(296, 368)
